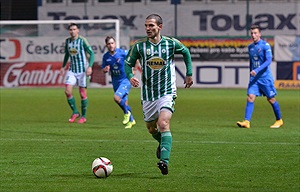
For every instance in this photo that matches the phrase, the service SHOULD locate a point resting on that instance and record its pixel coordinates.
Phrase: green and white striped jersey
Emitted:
(158, 67)
(76, 50)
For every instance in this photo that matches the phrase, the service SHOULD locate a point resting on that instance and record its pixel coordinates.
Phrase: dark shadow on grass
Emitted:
(135, 175)
(121, 175)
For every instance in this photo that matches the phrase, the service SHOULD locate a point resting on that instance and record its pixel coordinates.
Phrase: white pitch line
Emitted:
(150, 141)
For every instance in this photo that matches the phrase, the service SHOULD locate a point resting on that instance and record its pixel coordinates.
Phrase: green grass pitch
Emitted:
(41, 151)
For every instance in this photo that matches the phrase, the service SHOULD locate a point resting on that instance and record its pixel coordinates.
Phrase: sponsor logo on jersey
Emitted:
(73, 51)
(156, 63)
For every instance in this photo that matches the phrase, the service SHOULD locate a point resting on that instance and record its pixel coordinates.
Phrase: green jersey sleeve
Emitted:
(66, 57)
(89, 50)
(181, 49)
(130, 60)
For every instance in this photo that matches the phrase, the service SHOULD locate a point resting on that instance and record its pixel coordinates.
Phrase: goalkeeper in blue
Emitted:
(261, 82)
(113, 62)
(158, 90)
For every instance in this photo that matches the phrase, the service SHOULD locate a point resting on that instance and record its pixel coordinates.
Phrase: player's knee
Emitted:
(117, 99)
(163, 125)
(271, 100)
(82, 93)
(68, 93)
(251, 98)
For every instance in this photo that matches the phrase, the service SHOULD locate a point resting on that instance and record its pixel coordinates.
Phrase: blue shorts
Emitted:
(123, 89)
(262, 87)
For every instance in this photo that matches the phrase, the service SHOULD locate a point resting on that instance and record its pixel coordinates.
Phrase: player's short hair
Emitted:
(255, 27)
(73, 24)
(109, 38)
(157, 18)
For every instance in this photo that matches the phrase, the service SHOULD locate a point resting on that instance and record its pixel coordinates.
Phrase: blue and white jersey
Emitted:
(116, 63)
(260, 55)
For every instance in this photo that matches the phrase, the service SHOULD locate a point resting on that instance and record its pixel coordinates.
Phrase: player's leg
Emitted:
(166, 139)
(276, 109)
(82, 80)
(166, 105)
(252, 91)
(155, 132)
(121, 99)
(131, 122)
(70, 82)
(127, 104)
(151, 113)
(269, 91)
(122, 102)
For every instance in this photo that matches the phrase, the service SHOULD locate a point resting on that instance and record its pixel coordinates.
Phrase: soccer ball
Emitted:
(102, 167)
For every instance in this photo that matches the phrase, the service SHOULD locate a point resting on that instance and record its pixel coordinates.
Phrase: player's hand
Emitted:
(134, 82)
(89, 71)
(106, 69)
(253, 73)
(188, 81)
(62, 71)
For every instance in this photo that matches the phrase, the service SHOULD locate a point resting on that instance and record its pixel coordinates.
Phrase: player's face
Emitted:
(255, 35)
(111, 45)
(152, 29)
(73, 30)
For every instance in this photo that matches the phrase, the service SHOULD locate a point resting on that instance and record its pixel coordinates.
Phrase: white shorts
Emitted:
(152, 109)
(76, 79)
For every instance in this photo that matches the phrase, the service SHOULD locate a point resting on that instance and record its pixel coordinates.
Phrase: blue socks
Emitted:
(249, 110)
(123, 106)
(276, 109)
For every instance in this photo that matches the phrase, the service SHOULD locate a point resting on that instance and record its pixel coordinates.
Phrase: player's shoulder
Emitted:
(106, 54)
(141, 40)
(172, 40)
(120, 50)
(83, 39)
(168, 38)
(264, 44)
(68, 39)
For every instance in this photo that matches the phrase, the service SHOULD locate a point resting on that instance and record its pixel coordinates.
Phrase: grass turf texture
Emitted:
(41, 151)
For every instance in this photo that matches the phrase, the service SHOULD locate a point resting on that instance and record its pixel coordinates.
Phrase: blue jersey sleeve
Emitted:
(267, 54)
(104, 63)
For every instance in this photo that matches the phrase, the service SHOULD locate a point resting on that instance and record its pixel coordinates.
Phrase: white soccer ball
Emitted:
(102, 167)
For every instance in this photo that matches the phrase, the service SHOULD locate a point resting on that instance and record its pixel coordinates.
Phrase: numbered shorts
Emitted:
(263, 87)
(76, 79)
(152, 109)
(122, 90)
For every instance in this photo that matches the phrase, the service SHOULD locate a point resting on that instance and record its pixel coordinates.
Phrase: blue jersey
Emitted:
(116, 63)
(260, 55)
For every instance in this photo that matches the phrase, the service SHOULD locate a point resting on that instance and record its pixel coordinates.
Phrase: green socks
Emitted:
(84, 105)
(165, 146)
(157, 136)
(72, 104)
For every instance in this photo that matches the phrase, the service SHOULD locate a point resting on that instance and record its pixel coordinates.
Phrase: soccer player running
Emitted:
(76, 48)
(113, 61)
(261, 81)
(158, 91)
